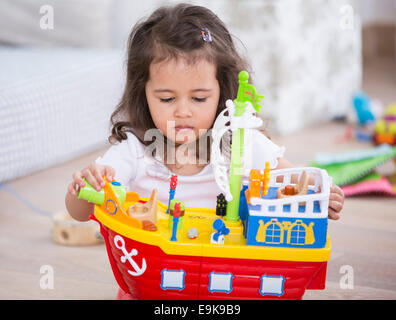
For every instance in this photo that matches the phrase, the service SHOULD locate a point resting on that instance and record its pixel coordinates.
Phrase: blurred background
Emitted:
(62, 66)
(327, 69)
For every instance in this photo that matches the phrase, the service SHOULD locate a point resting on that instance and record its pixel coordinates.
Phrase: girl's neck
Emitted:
(185, 161)
(186, 169)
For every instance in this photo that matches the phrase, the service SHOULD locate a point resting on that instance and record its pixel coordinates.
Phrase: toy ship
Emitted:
(267, 238)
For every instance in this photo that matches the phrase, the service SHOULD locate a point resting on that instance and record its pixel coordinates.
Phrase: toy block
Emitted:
(69, 232)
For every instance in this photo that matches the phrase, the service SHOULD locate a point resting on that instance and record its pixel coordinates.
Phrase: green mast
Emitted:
(246, 93)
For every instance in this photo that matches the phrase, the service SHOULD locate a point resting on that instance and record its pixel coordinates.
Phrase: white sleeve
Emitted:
(123, 158)
(263, 150)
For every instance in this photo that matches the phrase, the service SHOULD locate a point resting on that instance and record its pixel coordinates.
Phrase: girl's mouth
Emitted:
(184, 133)
(183, 128)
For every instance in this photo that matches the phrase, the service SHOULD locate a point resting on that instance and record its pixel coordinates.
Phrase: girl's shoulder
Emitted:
(125, 158)
(264, 149)
(131, 145)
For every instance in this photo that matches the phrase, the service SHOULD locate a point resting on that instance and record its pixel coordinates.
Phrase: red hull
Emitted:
(247, 273)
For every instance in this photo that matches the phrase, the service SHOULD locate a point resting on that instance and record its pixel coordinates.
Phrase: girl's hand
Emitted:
(336, 202)
(93, 174)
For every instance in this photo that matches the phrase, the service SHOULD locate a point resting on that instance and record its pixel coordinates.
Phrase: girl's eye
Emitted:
(199, 99)
(166, 99)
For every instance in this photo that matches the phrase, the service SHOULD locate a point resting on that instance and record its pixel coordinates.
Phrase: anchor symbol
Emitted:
(120, 244)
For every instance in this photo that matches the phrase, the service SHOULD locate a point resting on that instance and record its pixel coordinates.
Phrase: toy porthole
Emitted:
(111, 206)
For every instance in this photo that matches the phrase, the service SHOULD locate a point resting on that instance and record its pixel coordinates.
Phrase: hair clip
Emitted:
(206, 36)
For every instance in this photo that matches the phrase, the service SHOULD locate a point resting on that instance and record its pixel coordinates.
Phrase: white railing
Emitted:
(321, 187)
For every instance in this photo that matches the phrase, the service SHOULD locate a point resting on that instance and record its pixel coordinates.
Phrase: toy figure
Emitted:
(192, 233)
(385, 127)
(179, 213)
(175, 213)
(172, 190)
(221, 205)
(222, 230)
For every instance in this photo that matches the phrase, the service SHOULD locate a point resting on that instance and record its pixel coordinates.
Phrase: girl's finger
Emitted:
(336, 206)
(336, 197)
(333, 215)
(98, 174)
(91, 179)
(337, 190)
(78, 179)
(71, 189)
(110, 173)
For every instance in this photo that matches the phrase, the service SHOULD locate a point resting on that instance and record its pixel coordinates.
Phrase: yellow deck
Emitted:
(202, 219)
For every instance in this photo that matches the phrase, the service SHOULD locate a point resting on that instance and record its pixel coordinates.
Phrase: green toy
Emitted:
(182, 210)
(246, 93)
(344, 173)
(91, 195)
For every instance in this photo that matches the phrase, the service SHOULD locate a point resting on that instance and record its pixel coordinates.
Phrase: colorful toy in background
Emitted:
(373, 183)
(264, 246)
(364, 117)
(385, 127)
(373, 123)
(355, 171)
(363, 109)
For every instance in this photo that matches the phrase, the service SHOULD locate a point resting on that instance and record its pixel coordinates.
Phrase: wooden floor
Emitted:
(364, 240)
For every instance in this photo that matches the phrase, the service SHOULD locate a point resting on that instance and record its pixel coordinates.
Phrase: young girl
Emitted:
(182, 67)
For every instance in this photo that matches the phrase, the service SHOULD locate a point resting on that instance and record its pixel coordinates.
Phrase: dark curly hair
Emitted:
(173, 32)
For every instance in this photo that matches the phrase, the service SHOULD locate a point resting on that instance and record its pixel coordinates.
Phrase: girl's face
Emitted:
(183, 98)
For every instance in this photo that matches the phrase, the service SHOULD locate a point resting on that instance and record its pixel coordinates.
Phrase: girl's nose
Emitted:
(183, 110)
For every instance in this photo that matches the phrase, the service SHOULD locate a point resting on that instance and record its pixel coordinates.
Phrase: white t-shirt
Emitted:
(142, 173)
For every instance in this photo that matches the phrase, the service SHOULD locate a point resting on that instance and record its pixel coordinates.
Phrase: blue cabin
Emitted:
(290, 221)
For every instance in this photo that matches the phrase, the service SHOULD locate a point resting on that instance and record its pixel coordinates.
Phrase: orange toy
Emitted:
(258, 180)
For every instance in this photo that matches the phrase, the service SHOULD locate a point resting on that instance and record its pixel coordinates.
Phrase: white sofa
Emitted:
(55, 104)
(58, 86)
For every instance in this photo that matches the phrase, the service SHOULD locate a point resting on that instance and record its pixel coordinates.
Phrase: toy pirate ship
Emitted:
(271, 243)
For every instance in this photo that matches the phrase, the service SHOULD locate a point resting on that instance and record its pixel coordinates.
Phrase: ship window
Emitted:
(220, 282)
(273, 233)
(297, 234)
(172, 279)
(272, 285)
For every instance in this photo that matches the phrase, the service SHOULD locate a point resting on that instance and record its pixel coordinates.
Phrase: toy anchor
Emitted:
(222, 230)
(120, 244)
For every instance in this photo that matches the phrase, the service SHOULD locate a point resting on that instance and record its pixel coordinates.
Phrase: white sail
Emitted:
(220, 163)
(221, 128)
